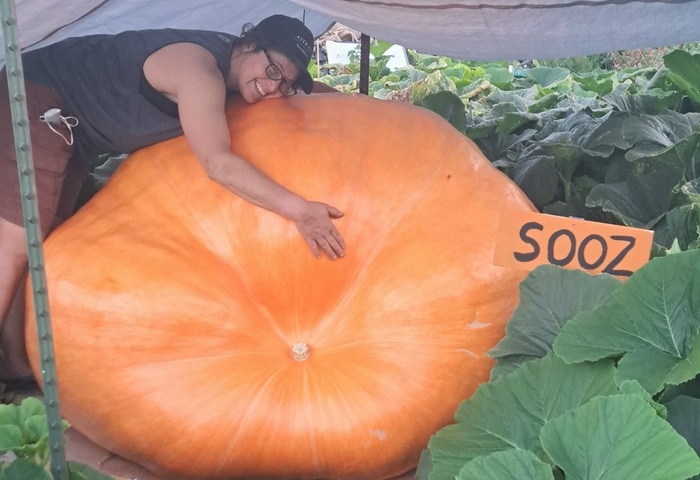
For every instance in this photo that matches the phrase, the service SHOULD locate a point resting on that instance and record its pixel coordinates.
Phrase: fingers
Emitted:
(334, 212)
(313, 245)
(331, 244)
(320, 233)
(338, 239)
(334, 240)
(332, 247)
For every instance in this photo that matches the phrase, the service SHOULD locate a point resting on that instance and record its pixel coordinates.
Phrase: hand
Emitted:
(318, 230)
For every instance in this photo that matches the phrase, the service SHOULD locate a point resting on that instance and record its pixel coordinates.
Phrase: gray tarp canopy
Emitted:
(467, 29)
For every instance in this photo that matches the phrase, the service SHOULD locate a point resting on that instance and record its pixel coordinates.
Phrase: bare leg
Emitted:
(13, 265)
(15, 363)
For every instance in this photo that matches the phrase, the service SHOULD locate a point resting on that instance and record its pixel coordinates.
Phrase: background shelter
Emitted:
(482, 30)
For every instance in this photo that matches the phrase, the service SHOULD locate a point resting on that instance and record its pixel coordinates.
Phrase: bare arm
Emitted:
(200, 93)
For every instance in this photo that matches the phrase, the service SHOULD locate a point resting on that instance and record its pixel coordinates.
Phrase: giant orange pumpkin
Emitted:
(197, 335)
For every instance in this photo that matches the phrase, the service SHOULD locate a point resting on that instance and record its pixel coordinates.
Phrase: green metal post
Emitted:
(30, 210)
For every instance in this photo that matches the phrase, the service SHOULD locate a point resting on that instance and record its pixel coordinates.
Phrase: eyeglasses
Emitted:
(273, 72)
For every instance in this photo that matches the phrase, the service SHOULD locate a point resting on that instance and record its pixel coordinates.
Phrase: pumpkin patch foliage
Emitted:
(612, 146)
(24, 443)
(178, 308)
(596, 380)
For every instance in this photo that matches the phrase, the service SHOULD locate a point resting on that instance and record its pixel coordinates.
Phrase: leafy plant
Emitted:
(650, 324)
(447, 106)
(614, 146)
(595, 379)
(586, 63)
(685, 73)
(25, 445)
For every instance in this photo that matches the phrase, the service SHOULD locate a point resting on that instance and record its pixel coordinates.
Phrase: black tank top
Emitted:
(100, 81)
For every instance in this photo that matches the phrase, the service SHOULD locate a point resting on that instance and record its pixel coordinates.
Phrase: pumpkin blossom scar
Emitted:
(300, 351)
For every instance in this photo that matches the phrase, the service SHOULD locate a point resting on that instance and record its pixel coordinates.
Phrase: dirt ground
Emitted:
(80, 449)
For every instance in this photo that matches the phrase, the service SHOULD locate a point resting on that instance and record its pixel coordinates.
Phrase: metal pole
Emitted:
(30, 211)
(364, 64)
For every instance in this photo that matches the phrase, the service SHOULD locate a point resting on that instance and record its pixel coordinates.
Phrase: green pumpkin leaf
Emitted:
(9, 415)
(598, 82)
(500, 77)
(688, 368)
(654, 318)
(647, 365)
(545, 103)
(633, 387)
(378, 47)
(682, 224)
(618, 437)
(549, 297)
(449, 106)
(497, 147)
(10, 438)
(511, 411)
(641, 200)
(692, 190)
(563, 147)
(23, 469)
(609, 133)
(30, 407)
(536, 174)
(685, 72)
(684, 416)
(690, 388)
(513, 121)
(664, 129)
(79, 471)
(36, 428)
(548, 76)
(622, 100)
(76, 475)
(514, 463)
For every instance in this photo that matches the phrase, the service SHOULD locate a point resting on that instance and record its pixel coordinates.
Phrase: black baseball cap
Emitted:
(290, 37)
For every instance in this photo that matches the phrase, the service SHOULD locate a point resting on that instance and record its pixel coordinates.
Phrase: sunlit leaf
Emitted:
(520, 464)
(618, 437)
(651, 321)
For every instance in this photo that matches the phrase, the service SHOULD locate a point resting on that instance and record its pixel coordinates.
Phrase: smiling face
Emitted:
(249, 74)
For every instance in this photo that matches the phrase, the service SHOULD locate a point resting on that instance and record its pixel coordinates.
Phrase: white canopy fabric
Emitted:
(468, 29)
(519, 29)
(42, 22)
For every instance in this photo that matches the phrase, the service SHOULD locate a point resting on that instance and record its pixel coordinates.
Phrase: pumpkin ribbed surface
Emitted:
(198, 336)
